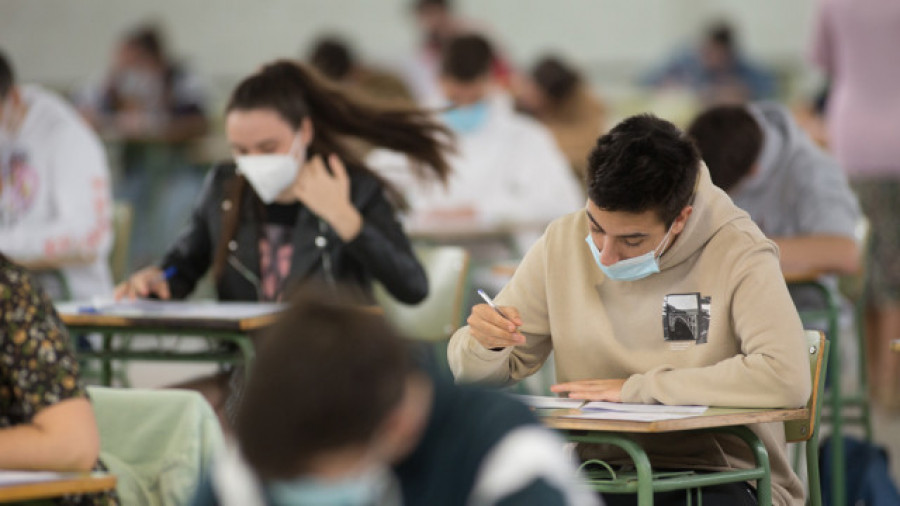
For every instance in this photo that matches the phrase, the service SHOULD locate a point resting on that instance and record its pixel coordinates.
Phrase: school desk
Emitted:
(732, 420)
(61, 484)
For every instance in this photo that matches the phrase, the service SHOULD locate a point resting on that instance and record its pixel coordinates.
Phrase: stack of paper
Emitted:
(601, 410)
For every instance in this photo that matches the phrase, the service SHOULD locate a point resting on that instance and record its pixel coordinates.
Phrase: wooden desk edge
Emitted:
(716, 417)
(87, 484)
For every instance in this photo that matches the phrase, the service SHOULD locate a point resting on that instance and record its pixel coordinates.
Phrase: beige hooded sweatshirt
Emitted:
(715, 326)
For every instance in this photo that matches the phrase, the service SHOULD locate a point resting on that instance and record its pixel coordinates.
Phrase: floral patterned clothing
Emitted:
(38, 367)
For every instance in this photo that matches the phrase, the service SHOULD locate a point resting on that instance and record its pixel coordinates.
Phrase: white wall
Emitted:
(62, 42)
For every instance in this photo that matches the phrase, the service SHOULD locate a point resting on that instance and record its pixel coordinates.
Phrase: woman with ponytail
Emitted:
(297, 205)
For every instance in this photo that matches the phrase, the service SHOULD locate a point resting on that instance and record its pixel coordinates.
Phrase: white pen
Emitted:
(490, 302)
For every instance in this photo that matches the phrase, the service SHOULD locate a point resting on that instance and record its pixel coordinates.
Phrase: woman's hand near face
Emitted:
(328, 196)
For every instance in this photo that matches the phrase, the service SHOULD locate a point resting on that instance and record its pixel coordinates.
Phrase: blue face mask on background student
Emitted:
(467, 118)
(366, 489)
(630, 269)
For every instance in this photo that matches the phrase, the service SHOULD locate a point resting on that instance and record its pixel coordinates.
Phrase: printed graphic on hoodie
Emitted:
(685, 317)
(18, 187)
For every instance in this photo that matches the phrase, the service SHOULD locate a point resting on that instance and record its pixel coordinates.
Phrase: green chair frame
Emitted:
(844, 408)
(644, 481)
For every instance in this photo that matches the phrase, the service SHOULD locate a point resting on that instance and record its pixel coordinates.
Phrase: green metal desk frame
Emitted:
(644, 481)
(109, 352)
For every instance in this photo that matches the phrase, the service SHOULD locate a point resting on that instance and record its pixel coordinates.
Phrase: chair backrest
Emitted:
(802, 430)
(158, 443)
(122, 217)
(439, 315)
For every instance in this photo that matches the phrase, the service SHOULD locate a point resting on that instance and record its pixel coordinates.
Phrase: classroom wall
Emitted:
(63, 42)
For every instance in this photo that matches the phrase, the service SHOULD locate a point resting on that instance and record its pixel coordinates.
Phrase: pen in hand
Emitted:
(490, 302)
(514, 328)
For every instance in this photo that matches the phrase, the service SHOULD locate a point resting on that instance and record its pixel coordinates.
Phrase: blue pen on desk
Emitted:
(490, 302)
(169, 273)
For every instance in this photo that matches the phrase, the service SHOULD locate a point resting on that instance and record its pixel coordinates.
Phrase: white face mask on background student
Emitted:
(271, 174)
(375, 486)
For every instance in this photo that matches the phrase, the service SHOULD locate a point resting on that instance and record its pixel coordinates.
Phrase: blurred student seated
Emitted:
(716, 70)
(153, 108)
(46, 419)
(55, 203)
(796, 193)
(332, 56)
(438, 23)
(555, 94)
(145, 95)
(366, 424)
(507, 167)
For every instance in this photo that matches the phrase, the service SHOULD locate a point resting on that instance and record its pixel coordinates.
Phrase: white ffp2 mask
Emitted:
(270, 174)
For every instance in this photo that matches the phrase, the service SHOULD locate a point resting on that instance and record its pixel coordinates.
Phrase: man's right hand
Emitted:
(142, 284)
(494, 331)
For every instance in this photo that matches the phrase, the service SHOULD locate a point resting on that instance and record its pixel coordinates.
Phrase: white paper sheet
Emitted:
(205, 309)
(626, 415)
(10, 478)
(547, 402)
(643, 408)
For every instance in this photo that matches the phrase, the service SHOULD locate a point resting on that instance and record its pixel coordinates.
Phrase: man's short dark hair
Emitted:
(148, 38)
(555, 78)
(7, 76)
(467, 58)
(730, 141)
(326, 377)
(422, 4)
(722, 34)
(332, 57)
(644, 163)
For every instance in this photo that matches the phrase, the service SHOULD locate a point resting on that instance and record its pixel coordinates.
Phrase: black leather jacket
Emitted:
(381, 251)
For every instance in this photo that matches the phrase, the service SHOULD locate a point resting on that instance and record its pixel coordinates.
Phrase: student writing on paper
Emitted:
(659, 291)
(297, 204)
(46, 420)
(339, 412)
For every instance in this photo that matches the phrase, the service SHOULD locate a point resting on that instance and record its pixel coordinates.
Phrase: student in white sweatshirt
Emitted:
(55, 199)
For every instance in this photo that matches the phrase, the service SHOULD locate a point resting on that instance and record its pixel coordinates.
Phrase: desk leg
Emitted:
(837, 415)
(106, 362)
(248, 352)
(764, 485)
(638, 457)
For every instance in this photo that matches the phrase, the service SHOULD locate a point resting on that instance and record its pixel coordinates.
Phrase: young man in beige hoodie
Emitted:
(655, 238)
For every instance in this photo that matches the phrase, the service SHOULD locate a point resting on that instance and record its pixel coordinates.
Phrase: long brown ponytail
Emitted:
(296, 92)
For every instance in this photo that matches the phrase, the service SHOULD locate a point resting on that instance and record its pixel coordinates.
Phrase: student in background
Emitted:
(298, 206)
(716, 71)
(656, 236)
(46, 419)
(796, 193)
(383, 431)
(853, 45)
(152, 108)
(438, 23)
(333, 57)
(559, 98)
(55, 203)
(503, 158)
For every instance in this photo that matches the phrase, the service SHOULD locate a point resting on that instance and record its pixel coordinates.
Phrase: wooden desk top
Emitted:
(467, 229)
(49, 264)
(76, 483)
(193, 319)
(713, 417)
(170, 315)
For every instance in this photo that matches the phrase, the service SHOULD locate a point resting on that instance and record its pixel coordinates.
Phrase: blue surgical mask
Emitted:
(630, 269)
(369, 488)
(467, 118)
